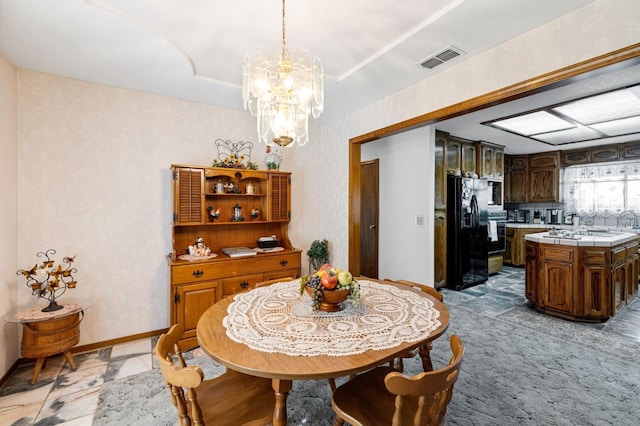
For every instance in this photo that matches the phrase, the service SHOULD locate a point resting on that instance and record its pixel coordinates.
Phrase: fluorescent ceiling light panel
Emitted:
(624, 126)
(568, 136)
(606, 107)
(533, 123)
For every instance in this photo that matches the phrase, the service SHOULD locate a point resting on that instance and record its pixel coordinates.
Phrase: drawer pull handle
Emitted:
(198, 273)
(283, 263)
(244, 284)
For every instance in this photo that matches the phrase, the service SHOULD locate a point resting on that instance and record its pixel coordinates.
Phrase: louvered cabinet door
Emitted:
(188, 186)
(280, 197)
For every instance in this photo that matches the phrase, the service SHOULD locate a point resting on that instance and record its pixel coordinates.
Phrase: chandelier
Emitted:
(282, 88)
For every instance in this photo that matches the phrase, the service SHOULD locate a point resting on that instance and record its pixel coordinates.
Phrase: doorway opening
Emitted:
(620, 58)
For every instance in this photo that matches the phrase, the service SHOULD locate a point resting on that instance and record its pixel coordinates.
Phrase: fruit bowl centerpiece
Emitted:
(329, 288)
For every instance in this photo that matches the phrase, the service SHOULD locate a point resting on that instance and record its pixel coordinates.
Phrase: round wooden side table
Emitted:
(49, 333)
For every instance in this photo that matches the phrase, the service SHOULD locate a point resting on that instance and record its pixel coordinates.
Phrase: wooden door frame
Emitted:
(619, 58)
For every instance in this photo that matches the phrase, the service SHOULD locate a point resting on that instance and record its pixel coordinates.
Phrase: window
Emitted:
(603, 188)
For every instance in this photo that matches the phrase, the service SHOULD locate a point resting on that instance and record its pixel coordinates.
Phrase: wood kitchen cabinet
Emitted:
(198, 284)
(596, 282)
(587, 283)
(469, 157)
(491, 161)
(440, 248)
(544, 177)
(533, 178)
(531, 271)
(630, 150)
(453, 155)
(507, 256)
(557, 278)
(515, 254)
(460, 154)
(591, 155)
(624, 151)
(440, 178)
(517, 177)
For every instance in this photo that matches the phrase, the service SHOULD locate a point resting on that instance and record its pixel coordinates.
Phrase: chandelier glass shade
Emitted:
(282, 88)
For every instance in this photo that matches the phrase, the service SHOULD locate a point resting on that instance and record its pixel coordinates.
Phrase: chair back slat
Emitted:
(179, 377)
(423, 398)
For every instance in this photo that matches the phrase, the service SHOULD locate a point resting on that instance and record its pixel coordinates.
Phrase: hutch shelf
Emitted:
(234, 193)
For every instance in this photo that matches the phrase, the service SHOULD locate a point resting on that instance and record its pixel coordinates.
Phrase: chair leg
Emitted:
(338, 421)
(425, 354)
(332, 384)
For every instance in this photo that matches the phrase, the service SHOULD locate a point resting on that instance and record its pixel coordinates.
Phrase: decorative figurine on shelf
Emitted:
(214, 213)
(237, 214)
(255, 213)
(48, 281)
(234, 154)
(231, 188)
(199, 248)
(273, 158)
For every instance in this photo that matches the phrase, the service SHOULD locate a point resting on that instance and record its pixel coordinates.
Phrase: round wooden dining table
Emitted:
(217, 340)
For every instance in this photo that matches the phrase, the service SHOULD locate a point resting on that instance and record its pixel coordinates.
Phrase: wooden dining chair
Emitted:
(230, 399)
(383, 396)
(425, 350)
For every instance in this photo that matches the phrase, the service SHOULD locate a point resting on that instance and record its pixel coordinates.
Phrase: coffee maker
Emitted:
(555, 216)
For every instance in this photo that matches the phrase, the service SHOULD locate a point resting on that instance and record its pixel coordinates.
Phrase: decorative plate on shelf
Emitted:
(191, 257)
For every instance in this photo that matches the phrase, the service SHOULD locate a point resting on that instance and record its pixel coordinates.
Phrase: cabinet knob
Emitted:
(244, 284)
(198, 273)
(283, 263)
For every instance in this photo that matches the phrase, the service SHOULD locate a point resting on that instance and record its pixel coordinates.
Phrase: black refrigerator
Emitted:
(467, 233)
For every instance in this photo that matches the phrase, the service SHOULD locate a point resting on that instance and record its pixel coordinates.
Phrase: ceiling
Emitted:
(193, 50)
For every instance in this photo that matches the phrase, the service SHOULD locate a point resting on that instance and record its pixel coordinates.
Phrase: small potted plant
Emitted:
(318, 254)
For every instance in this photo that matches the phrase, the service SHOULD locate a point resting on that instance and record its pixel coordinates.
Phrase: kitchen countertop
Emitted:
(584, 238)
(575, 228)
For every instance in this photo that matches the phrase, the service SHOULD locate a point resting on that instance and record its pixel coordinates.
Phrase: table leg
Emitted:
(36, 370)
(69, 357)
(281, 389)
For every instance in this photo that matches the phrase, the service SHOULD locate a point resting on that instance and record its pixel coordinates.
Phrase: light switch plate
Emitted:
(419, 220)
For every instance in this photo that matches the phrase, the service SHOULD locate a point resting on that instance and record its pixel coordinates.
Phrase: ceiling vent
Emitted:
(441, 57)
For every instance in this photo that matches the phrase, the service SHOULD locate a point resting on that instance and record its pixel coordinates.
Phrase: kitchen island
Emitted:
(581, 275)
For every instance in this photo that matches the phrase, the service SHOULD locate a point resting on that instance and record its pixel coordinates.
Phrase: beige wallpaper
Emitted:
(8, 278)
(93, 162)
(94, 181)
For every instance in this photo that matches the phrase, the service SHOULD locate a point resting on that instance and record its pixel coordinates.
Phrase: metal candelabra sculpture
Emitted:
(48, 281)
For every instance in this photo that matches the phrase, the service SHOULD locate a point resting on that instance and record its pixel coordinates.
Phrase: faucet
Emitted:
(626, 216)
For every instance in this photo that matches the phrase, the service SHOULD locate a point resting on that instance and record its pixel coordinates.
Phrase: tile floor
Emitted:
(69, 397)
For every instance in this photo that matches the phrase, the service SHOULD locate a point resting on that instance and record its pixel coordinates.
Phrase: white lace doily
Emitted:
(277, 318)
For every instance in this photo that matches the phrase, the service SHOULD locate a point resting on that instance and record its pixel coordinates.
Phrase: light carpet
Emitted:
(520, 368)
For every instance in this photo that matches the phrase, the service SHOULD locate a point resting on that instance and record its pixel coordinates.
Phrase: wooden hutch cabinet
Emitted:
(197, 284)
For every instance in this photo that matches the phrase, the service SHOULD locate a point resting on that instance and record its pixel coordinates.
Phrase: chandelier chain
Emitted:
(284, 31)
